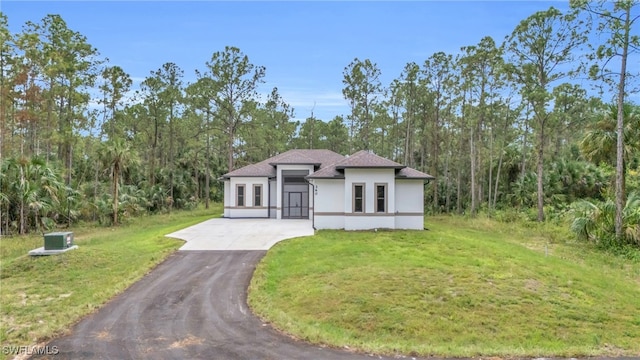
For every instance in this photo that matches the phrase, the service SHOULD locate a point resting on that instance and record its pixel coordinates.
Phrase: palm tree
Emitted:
(599, 144)
(116, 156)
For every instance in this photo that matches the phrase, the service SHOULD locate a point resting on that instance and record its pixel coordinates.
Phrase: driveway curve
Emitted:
(192, 306)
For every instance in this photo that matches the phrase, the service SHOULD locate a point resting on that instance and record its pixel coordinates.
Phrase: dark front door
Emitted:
(295, 205)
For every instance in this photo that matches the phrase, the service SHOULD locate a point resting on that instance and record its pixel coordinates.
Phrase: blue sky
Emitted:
(304, 46)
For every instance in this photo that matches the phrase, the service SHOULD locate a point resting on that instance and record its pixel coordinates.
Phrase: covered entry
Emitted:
(295, 194)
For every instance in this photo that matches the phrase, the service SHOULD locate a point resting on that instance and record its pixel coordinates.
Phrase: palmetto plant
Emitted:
(595, 221)
(30, 193)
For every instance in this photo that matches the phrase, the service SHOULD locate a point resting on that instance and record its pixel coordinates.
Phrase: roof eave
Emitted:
(256, 176)
(416, 177)
(295, 163)
(325, 177)
(397, 167)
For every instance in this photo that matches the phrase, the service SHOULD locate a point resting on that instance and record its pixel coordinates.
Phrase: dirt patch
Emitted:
(190, 340)
(532, 285)
(103, 335)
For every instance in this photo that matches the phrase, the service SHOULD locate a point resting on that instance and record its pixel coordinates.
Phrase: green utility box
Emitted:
(58, 240)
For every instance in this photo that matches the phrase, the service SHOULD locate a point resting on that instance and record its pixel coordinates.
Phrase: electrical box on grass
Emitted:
(58, 240)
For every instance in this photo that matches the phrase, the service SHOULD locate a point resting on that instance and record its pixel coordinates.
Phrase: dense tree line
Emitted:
(505, 127)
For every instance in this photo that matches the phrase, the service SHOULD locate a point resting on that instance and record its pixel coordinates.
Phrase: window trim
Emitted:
(257, 186)
(244, 195)
(353, 198)
(386, 197)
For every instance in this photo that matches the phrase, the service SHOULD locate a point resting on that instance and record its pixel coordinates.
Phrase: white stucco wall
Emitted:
(409, 222)
(370, 178)
(329, 196)
(227, 198)
(370, 221)
(248, 210)
(328, 203)
(273, 194)
(334, 201)
(409, 196)
(409, 204)
(329, 222)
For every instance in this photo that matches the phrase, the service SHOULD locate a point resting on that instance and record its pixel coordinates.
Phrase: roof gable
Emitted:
(366, 159)
(267, 168)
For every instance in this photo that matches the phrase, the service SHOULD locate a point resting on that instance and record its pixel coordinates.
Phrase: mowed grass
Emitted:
(41, 297)
(463, 288)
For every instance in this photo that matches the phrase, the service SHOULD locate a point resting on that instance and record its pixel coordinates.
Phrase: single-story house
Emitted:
(356, 192)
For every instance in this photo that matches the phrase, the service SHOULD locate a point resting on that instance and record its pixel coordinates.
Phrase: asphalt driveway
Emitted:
(241, 234)
(192, 306)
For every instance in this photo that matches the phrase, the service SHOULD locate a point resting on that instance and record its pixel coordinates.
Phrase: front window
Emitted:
(358, 198)
(257, 195)
(240, 195)
(381, 198)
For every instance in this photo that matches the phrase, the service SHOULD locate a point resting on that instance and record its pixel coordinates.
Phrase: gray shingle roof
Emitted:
(266, 168)
(328, 164)
(365, 159)
(409, 173)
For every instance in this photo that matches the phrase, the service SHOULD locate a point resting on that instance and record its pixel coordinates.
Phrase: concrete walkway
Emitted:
(241, 234)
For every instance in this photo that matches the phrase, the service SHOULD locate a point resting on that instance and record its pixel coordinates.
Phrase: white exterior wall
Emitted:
(328, 203)
(278, 194)
(409, 204)
(227, 198)
(410, 222)
(273, 194)
(369, 219)
(248, 210)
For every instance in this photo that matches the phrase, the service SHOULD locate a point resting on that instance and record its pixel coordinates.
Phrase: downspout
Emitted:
(313, 217)
(268, 198)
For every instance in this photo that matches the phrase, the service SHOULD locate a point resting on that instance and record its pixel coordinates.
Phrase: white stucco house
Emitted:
(356, 192)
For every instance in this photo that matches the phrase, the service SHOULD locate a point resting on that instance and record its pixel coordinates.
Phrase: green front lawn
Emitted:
(41, 297)
(463, 288)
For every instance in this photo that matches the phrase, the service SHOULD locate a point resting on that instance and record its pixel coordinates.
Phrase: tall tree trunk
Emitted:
(620, 173)
(171, 165)
(95, 189)
(154, 149)
(495, 192)
(407, 140)
(472, 155)
(435, 155)
(459, 192)
(489, 204)
(540, 171)
(447, 197)
(230, 150)
(22, 222)
(116, 176)
(524, 148)
(207, 177)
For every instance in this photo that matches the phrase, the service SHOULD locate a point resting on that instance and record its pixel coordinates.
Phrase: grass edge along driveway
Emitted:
(464, 288)
(42, 297)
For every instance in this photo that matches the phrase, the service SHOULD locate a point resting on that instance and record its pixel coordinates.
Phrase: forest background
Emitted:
(537, 126)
